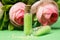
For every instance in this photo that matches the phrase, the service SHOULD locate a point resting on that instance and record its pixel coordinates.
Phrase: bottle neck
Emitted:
(27, 8)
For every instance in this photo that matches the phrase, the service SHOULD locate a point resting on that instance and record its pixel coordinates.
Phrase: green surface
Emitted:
(57, 24)
(19, 35)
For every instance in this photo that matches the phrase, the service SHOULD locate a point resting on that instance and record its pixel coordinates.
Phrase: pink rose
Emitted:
(16, 13)
(46, 11)
(47, 14)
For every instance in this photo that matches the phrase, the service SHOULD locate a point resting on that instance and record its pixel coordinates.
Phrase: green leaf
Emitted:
(6, 17)
(58, 2)
(5, 2)
(10, 26)
(30, 2)
(6, 7)
(4, 21)
(35, 21)
(25, 1)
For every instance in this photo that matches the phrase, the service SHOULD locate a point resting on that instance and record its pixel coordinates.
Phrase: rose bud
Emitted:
(47, 12)
(16, 14)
